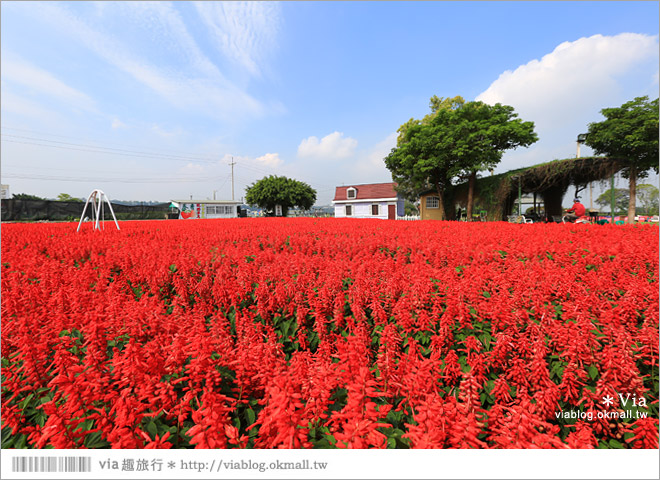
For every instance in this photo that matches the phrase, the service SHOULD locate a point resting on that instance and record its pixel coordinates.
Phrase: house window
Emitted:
(219, 210)
(432, 202)
(349, 210)
(351, 193)
(374, 209)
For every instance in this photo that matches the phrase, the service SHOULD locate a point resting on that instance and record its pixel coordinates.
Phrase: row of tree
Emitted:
(271, 191)
(647, 195)
(62, 197)
(266, 193)
(629, 132)
(454, 142)
(459, 139)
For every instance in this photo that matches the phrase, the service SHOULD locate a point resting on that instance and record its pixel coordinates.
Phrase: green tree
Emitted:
(647, 195)
(410, 187)
(273, 190)
(65, 197)
(458, 140)
(436, 104)
(629, 132)
(421, 163)
(481, 133)
(410, 208)
(621, 199)
(25, 196)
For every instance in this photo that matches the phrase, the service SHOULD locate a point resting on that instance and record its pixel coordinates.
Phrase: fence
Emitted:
(408, 217)
(13, 210)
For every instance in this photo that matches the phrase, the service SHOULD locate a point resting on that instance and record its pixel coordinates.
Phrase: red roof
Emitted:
(368, 191)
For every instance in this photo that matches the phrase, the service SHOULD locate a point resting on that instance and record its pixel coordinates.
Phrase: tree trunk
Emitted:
(441, 204)
(633, 192)
(470, 199)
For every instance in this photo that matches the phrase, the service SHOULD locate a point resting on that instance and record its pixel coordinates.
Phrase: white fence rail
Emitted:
(408, 217)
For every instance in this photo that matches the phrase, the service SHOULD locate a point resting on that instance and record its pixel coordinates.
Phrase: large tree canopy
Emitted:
(630, 132)
(273, 190)
(419, 163)
(435, 104)
(457, 141)
(647, 195)
(481, 134)
(620, 199)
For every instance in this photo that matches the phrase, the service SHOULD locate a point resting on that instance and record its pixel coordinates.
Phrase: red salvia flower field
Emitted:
(316, 333)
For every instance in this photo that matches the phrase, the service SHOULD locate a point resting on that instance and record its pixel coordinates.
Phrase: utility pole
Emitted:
(232, 177)
(581, 138)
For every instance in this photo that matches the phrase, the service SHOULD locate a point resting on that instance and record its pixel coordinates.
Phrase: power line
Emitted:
(83, 147)
(98, 149)
(129, 148)
(122, 152)
(262, 170)
(117, 151)
(114, 179)
(69, 170)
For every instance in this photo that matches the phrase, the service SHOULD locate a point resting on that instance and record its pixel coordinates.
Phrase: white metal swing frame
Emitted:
(96, 199)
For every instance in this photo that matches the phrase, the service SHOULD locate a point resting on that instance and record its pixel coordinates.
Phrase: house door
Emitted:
(391, 212)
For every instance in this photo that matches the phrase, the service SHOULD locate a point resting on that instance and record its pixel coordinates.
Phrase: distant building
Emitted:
(190, 209)
(373, 200)
(429, 208)
(4, 192)
(315, 211)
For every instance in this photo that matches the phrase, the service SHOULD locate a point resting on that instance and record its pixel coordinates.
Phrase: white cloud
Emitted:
(162, 132)
(17, 71)
(116, 123)
(201, 87)
(371, 168)
(566, 89)
(244, 32)
(163, 18)
(333, 146)
(17, 105)
(271, 160)
(192, 169)
(572, 76)
(376, 157)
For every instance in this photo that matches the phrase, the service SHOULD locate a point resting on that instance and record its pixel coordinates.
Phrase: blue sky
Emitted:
(150, 101)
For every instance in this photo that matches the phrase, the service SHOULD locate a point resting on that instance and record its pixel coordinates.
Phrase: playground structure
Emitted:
(97, 210)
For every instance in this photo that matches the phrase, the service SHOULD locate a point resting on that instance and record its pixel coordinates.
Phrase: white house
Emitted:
(189, 209)
(373, 200)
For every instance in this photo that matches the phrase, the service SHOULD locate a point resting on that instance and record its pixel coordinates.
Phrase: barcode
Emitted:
(51, 464)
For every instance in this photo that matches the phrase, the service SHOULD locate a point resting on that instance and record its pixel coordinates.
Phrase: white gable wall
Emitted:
(363, 209)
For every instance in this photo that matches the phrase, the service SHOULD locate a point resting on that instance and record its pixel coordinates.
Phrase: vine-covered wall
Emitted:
(496, 194)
